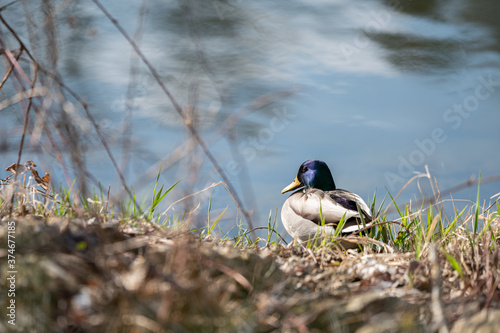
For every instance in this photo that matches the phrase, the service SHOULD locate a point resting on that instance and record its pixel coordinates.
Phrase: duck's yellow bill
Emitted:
(295, 184)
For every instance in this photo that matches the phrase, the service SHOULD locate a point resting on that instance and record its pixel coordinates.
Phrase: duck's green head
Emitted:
(313, 174)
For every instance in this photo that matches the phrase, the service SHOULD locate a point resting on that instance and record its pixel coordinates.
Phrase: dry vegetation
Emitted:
(88, 263)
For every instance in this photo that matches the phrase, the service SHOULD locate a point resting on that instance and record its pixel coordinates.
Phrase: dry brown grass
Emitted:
(89, 276)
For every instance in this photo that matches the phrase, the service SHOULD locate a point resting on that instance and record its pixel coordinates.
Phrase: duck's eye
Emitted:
(304, 169)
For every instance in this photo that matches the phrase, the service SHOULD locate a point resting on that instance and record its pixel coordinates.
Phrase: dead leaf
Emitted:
(46, 178)
(16, 168)
(35, 175)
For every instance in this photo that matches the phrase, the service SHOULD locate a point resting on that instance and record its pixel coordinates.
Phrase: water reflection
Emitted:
(448, 38)
(418, 54)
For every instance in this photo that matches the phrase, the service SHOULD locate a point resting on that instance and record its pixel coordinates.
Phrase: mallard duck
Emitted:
(301, 215)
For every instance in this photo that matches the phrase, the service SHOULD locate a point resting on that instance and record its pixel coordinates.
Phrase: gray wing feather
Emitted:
(311, 202)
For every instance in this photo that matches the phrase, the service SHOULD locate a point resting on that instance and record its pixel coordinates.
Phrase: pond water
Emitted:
(380, 90)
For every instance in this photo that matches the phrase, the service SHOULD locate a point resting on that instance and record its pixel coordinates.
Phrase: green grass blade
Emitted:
(372, 206)
(340, 226)
(454, 222)
(361, 216)
(454, 263)
(209, 209)
(159, 197)
(211, 227)
(380, 206)
(476, 214)
(394, 203)
(269, 227)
